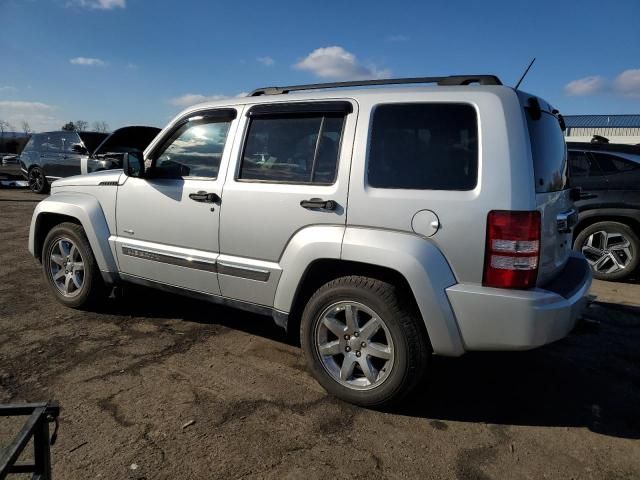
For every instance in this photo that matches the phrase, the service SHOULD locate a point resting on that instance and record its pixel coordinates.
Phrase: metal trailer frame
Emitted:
(36, 426)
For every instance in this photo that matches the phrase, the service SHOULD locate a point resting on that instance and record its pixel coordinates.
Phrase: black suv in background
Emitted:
(52, 155)
(608, 229)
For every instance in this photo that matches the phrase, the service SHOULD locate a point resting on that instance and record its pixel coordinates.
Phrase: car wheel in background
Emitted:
(37, 181)
(611, 248)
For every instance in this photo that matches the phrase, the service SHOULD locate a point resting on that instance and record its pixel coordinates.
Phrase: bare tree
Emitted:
(81, 125)
(26, 128)
(5, 127)
(101, 126)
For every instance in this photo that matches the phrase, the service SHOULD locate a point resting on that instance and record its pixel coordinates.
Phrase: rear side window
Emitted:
(425, 146)
(30, 144)
(549, 152)
(293, 148)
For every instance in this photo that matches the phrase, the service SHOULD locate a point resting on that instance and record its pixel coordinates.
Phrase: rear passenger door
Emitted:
(291, 159)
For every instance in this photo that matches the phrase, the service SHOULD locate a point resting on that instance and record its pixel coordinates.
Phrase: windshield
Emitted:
(549, 152)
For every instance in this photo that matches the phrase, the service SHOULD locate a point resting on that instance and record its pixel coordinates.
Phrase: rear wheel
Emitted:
(70, 268)
(37, 181)
(363, 342)
(611, 248)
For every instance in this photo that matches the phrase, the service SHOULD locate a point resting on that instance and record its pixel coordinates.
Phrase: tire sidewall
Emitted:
(90, 266)
(612, 227)
(310, 321)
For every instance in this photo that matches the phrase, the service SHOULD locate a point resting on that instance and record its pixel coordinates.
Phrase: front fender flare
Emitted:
(88, 211)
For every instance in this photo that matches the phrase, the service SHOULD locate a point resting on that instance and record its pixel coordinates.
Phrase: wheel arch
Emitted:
(408, 260)
(323, 270)
(81, 209)
(590, 217)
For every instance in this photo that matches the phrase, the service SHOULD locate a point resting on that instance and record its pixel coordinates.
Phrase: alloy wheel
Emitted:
(354, 345)
(36, 180)
(607, 252)
(66, 267)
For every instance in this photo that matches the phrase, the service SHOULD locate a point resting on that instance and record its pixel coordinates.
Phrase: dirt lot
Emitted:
(131, 375)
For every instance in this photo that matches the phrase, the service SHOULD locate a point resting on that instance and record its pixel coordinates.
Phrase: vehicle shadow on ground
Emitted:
(137, 301)
(591, 379)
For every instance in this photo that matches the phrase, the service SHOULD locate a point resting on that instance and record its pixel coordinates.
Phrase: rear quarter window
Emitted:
(30, 144)
(549, 153)
(424, 146)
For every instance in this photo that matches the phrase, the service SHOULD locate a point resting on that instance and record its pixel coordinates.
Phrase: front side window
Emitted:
(53, 143)
(193, 150)
(612, 164)
(425, 146)
(292, 149)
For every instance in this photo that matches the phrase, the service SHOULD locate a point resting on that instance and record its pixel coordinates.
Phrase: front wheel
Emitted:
(37, 181)
(70, 268)
(611, 248)
(363, 342)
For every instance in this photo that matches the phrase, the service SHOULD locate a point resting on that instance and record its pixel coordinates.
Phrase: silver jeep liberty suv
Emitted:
(386, 224)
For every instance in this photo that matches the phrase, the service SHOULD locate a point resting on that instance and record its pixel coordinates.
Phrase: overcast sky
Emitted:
(142, 61)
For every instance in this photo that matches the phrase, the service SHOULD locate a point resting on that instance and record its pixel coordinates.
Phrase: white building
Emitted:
(617, 128)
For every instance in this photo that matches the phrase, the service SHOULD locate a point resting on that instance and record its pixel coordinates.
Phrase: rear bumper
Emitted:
(502, 319)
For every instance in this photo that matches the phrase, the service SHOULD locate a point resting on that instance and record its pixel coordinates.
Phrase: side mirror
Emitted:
(78, 148)
(133, 164)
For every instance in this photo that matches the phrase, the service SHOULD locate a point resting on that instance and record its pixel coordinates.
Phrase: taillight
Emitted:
(512, 250)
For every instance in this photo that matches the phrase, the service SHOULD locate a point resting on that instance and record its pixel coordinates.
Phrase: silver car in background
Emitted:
(384, 224)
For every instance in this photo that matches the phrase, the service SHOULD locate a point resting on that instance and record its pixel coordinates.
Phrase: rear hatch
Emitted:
(549, 153)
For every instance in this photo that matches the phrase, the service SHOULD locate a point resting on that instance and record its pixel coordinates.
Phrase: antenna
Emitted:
(524, 74)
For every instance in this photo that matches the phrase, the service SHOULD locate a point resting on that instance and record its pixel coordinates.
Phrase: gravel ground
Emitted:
(157, 386)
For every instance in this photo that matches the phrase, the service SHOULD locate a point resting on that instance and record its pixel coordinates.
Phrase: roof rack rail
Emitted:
(443, 81)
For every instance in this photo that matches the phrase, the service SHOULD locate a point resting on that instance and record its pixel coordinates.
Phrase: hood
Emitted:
(127, 139)
(90, 180)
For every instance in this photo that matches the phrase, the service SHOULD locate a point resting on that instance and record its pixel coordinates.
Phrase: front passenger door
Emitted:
(51, 156)
(167, 222)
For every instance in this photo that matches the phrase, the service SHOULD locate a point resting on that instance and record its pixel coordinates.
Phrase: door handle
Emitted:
(587, 196)
(205, 197)
(318, 203)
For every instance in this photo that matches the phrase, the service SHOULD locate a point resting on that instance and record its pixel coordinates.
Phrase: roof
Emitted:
(604, 147)
(602, 121)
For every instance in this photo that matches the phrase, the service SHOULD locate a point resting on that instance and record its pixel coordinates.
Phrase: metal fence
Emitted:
(36, 427)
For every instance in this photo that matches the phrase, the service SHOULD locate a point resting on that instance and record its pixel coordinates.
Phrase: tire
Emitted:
(66, 247)
(37, 181)
(396, 357)
(611, 248)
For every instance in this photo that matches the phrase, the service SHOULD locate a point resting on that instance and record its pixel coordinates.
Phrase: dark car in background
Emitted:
(608, 230)
(52, 155)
